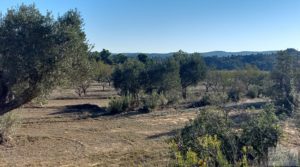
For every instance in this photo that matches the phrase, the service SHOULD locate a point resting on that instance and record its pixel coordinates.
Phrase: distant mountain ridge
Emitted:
(242, 53)
(207, 54)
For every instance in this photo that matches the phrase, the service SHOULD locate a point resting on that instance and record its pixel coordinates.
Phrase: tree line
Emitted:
(39, 52)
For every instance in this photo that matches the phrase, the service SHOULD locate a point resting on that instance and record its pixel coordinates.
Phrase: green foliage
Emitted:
(152, 101)
(253, 92)
(37, 52)
(102, 73)
(143, 58)
(190, 159)
(121, 104)
(261, 132)
(154, 77)
(162, 77)
(283, 90)
(234, 94)
(209, 122)
(214, 99)
(262, 61)
(192, 69)
(119, 59)
(212, 153)
(213, 139)
(82, 76)
(104, 56)
(127, 77)
(250, 82)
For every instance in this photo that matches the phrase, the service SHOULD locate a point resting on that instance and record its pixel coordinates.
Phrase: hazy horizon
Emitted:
(155, 26)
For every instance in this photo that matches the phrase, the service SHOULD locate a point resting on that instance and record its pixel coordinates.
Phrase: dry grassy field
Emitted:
(55, 136)
(62, 134)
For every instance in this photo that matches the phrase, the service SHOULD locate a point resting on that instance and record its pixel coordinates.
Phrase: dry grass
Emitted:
(50, 137)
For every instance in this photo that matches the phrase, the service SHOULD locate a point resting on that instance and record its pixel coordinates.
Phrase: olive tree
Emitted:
(105, 56)
(103, 73)
(36, 53)
(192, 69)
(162, 77)
(83, 75)
(284, 89)
(127, 77)
(119, 58)
(142, 58)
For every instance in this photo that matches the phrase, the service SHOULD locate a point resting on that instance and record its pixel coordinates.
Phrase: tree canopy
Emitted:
(36, 52)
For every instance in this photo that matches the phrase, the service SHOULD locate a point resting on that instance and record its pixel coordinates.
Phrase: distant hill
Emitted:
(207, 54)
(243, 53)
(221, 60)
(162, 55)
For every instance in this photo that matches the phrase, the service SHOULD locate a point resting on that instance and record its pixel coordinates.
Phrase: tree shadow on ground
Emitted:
(164, 134)
(82, 111)
(254, 105)
(130, 114)
(80, 98)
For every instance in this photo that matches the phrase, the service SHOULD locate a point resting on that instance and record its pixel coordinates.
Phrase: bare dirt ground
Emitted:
(55, 136)
(51, 136)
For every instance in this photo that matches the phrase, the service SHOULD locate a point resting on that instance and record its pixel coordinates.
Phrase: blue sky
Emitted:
(190, 25)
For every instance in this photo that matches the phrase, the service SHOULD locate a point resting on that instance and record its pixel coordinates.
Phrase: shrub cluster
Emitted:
(253, 92)
(216, 99)
(121, 104)
(214, 141)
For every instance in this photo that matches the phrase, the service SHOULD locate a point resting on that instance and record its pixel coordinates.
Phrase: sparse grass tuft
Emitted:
(8, 123)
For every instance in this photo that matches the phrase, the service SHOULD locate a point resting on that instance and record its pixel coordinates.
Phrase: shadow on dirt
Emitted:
(82, 111)
(79, 98)
(248, 105)
(253, 105)
(164, 134)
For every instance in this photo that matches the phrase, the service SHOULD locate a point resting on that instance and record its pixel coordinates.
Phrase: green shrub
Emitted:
(252, 92)
(173, 96)
(211, 122)
(121, 104)
(205, 101)
(191, 158)
(234, 94)
(261, 132)
(152, 101)
(285, 106)
(8, 122)
(211, 99)
(163, 100)
(216, 142)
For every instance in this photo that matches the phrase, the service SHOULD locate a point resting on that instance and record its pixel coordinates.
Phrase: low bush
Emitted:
(285, 106)
(205, 101)
(261, 132)
(152, 101)
(234, 94)
(173, 96)
(8, 122)
(121, 104)
(253, 92)
(211, 99)
(216, 142)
